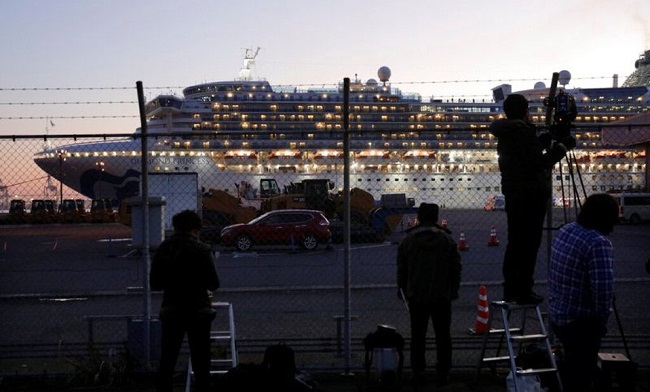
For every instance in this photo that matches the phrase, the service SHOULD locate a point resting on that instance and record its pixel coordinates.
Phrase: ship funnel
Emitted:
(615, 81)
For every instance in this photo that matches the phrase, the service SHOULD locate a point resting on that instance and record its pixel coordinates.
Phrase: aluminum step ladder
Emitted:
(222, 335)
(516, 336)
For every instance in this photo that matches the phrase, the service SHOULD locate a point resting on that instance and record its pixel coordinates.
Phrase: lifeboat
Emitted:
(328, 157)
(286, 157)
(240, 157)
(373, 157)
(419, 157)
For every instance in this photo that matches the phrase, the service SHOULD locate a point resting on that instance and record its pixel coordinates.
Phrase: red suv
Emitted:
(306, 228)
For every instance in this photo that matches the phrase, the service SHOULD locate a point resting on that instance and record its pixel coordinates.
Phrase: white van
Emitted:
(633, 207)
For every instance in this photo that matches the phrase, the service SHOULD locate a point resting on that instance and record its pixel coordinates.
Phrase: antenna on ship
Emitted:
(384, 74)
(564, 78)
(246, 72)
(47, 146)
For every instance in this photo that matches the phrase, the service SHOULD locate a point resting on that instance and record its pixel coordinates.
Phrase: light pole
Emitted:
(60, 153)
(100, 168)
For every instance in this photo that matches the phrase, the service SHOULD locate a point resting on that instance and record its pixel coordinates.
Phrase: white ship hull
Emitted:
(95, 174)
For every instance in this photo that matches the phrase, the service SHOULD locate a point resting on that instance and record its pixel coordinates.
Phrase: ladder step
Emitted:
(220, 337)
(495, 331)
(517, 336)
(496, 359)
(528, 338)
(531, 372)
(513, 305)
(220, 332)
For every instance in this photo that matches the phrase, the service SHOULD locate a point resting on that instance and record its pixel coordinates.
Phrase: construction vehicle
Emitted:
(42, 211)
(45, 211)
(101, 211)
(72, 211)
(313, 194)
(17, 212)
(366, 217)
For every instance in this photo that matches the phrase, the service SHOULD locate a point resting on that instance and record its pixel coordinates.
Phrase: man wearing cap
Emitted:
(428, 278)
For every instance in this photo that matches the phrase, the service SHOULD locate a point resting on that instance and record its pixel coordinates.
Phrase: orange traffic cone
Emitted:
(443, 223)
(482, 313)
(493, 241)
(462, 243)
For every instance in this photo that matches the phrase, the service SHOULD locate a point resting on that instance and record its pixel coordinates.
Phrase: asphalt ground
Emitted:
(64, 249)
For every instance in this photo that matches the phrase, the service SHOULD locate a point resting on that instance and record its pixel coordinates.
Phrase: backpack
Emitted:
(385, 347)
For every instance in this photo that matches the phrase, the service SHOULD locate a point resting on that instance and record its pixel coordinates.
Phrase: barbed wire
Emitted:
(279, 87)
(63, 117)
(68, 103)
(454, 81)
(72, 88)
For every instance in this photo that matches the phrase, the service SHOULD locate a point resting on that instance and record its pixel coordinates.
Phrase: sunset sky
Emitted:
(99, 49)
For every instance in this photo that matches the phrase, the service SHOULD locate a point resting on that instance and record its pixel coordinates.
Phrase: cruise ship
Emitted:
(234, 133)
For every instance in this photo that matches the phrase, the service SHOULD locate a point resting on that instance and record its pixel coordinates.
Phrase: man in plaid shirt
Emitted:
(581, 289)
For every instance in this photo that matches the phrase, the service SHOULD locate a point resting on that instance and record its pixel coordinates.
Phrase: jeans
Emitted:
(581, 341)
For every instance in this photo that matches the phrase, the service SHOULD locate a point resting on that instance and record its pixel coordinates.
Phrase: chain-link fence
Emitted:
(73, 283)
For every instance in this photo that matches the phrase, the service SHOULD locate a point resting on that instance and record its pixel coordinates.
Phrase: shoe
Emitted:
(529, 299)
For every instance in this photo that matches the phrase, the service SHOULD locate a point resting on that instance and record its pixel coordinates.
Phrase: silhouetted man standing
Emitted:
(428, 275)
(183, 268)
(525, 161)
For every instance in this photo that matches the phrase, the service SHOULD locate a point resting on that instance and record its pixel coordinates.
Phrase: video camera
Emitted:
(565, 112)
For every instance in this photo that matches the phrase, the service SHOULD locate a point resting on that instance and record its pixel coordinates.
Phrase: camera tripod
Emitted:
(576, 185)
(559, 125)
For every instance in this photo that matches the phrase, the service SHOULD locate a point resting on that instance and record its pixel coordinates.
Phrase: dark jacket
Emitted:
(523, 161)
(428, 265)
(183, 268)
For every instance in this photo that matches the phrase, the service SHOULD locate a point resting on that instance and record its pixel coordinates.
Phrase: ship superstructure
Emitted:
(243, 130)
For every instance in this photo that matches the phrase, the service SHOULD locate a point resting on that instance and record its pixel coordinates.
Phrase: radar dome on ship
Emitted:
(565, 77)
(539, 86)
(384, 74)
(372, 82)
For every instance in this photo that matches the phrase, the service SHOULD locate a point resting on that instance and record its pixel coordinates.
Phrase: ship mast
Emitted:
(47, 146)
(246, 72)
